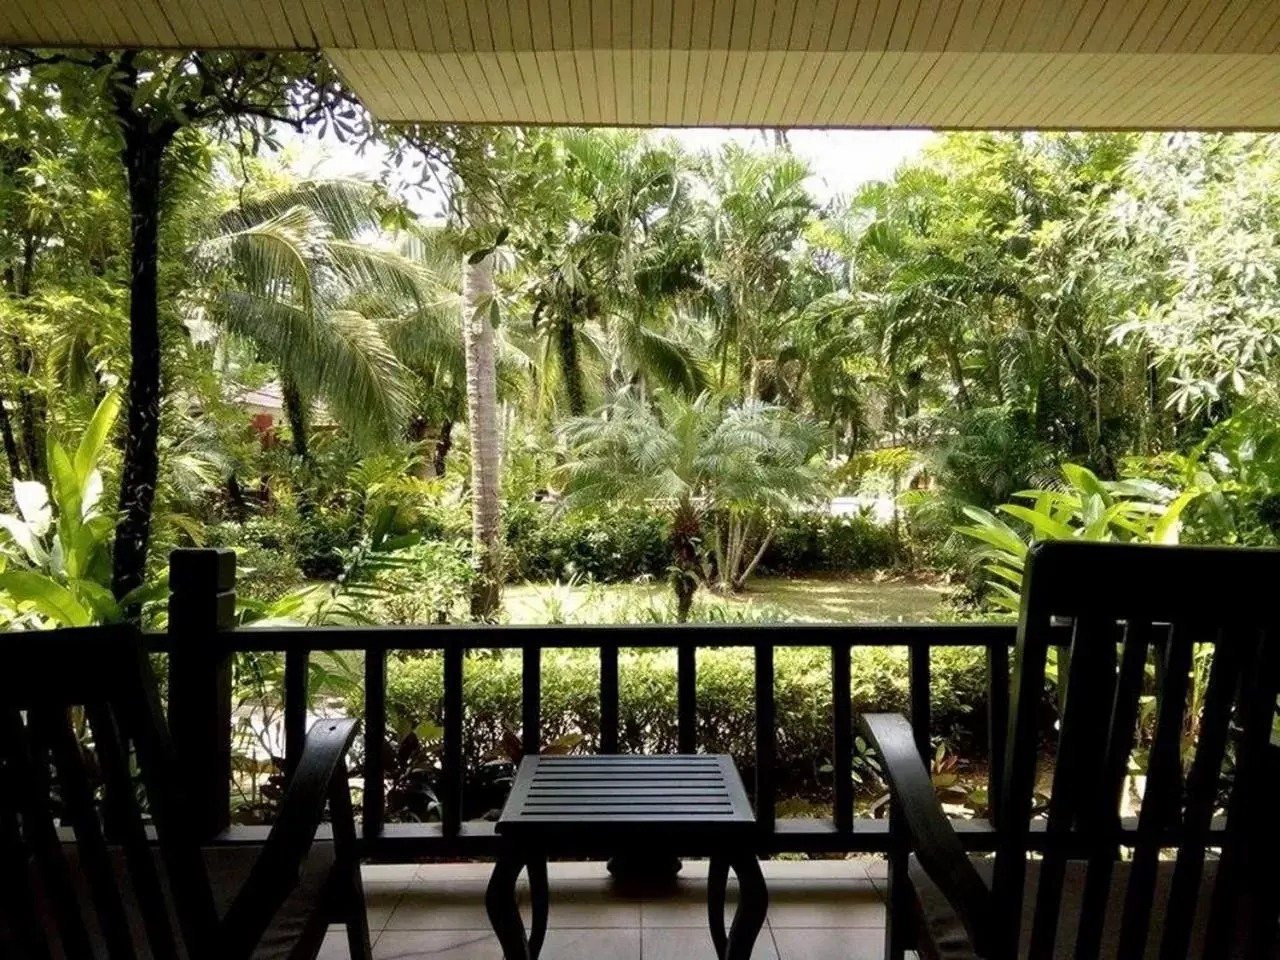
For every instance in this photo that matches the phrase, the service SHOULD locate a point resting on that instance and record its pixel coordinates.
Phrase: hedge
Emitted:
(725, 700)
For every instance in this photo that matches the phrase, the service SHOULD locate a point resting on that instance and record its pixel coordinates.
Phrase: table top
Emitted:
(619, 793)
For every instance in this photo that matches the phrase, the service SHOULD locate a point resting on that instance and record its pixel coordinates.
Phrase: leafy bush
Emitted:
(647, 700)
(266, 554)
(610, 546)
(817, 541)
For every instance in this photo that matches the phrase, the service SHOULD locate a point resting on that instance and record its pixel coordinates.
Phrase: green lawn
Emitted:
(834, 599)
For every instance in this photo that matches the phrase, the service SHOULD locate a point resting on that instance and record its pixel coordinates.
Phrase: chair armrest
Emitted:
(275, 872)
(929, 832)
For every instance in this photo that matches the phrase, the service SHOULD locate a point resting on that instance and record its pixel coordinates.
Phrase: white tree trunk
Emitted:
(482, 410)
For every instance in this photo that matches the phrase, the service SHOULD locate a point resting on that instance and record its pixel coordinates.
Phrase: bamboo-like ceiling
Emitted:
(1147, 64)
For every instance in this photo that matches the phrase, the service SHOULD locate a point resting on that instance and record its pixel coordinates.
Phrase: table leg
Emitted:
(539, 903)
(753, 905)
(717, 883)
(504, 914)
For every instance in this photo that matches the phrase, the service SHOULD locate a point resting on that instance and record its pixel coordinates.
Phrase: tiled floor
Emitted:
(818, 909)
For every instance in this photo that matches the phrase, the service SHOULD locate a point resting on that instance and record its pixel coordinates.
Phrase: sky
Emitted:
(841, 159)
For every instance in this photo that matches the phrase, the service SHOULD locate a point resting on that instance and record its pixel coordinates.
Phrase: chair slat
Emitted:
(1202, 791)
(1162, 796)
(138, 856)
(52, 728)
(15, 870)
(141, 721)
(1242, 919)
(1091, 679)
(31, 774)
(1103, 817)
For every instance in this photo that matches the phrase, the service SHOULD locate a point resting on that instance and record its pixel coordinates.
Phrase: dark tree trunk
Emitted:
(686, 531)
(295, 411)
(444, 443)
(143, 152)
(567, 348)
(10, 444)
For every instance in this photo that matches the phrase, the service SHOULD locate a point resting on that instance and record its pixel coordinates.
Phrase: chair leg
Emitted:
(357, 917)
(897, 927)
(350, 885)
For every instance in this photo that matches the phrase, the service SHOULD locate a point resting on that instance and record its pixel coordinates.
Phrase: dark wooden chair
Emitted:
(123, 887)
(1197, 874)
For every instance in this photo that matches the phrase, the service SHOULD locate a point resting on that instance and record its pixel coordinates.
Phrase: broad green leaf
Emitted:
(1166, 528)
(95, 436)
(1086, 481)
(66, 492)
(24, 537)
(1044, 525)
(46, 596)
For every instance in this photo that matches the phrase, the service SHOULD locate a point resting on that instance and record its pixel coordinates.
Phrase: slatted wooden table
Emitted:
(614, 805)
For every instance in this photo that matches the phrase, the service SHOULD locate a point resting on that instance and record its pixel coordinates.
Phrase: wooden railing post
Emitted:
(202, 602)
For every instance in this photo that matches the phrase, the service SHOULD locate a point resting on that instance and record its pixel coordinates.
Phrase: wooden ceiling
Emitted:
(1146, 64)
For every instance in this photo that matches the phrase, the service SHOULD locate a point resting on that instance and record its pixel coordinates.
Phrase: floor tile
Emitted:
(820, 903)
(437, 945)
(380, 900)
(829, 944)
(691, 944)
(438, 909)
(389, 872)
(567, 944)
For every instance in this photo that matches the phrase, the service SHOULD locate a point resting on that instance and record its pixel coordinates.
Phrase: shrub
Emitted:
(725, 698)
(808, 542)
(615, 545)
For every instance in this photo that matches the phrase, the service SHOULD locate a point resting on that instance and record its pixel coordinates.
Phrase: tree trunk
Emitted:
(444, 443)
(295, 411)
(422, 466)
(686, 531)
(10, 444)
(570, 368)
(143, 152)
(482, 413)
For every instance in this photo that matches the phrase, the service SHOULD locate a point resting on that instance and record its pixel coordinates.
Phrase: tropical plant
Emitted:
(1084, 508)
(55, 564)
(707, 462)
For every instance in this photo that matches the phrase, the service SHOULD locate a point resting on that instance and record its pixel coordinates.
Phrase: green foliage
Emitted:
(55, 568)
(811, 541)
(1085, 508)
(647, 699)
(609, 546)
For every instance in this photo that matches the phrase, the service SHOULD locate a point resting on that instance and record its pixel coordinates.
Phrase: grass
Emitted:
(819, 599)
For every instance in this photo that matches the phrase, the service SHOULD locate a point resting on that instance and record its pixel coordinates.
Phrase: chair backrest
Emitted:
(79, 714)
(1139, 621)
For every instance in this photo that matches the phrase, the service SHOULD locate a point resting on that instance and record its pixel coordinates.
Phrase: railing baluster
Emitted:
(531, 700)
(687, 698)
(842, 718)
(296, 666)
(375, 731)
(451, 801)
(766, 738)
(609, 698)
(919, 686)
(997, 722)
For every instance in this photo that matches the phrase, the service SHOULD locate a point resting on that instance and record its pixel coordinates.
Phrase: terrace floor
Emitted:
(818, 910)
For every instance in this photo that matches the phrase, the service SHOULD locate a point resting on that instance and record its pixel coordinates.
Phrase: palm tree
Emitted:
(712, 466)
(479, 307)
(288, 270)
(609, 263)
(754, 224)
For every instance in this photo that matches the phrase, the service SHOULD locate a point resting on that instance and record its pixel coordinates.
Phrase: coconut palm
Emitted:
(290, 270)
(609, 262)
(718, 469)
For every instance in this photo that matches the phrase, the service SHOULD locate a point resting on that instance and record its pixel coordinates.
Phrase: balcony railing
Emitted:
(201, 640)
